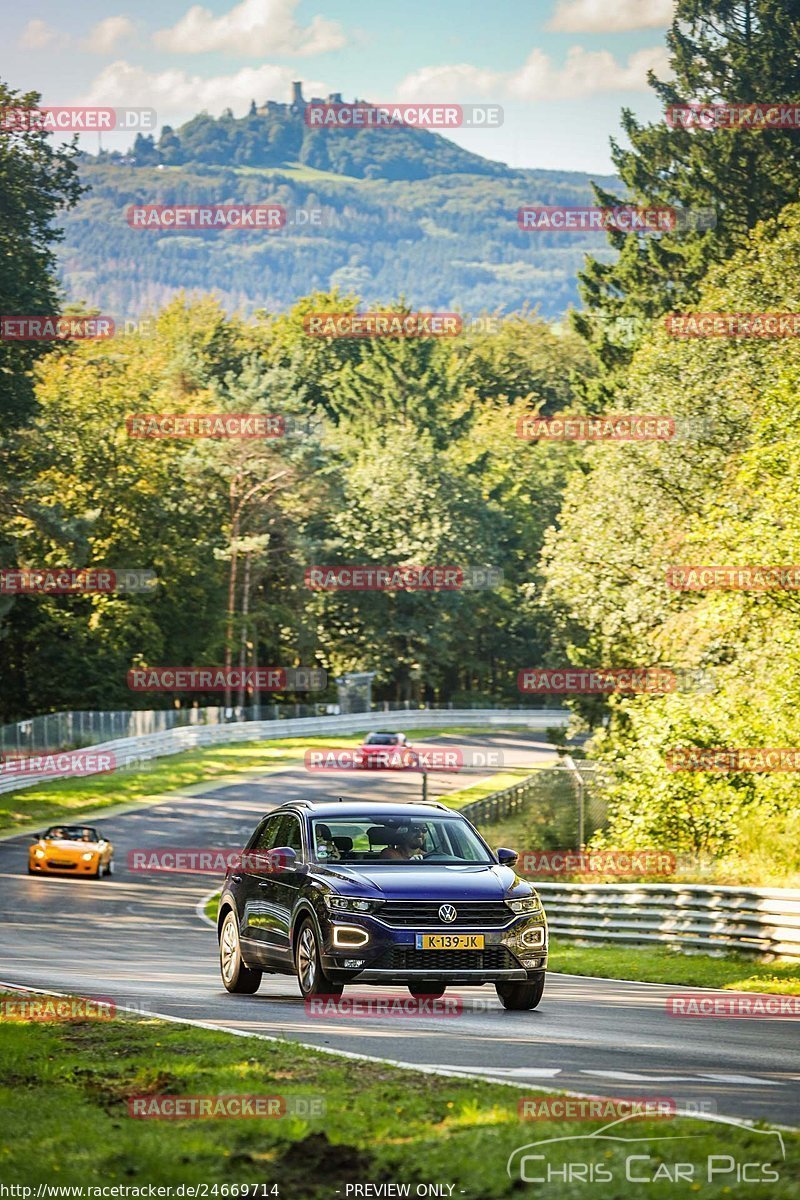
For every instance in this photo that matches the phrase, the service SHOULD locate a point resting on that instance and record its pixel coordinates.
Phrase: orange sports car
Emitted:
(70, 850)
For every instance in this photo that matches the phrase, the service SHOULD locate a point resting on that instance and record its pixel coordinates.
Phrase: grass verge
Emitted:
(486, 787)
(657, 964)
(66, 1089)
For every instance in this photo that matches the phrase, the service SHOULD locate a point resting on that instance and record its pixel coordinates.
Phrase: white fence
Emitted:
(696, 916)
(127, 752)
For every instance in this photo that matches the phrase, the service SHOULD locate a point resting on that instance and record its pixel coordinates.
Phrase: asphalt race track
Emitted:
(137, 939)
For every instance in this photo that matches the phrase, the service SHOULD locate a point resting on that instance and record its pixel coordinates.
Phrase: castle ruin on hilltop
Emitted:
(298, 103)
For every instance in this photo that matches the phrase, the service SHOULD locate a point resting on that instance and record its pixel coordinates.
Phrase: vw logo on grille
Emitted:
(447, 913)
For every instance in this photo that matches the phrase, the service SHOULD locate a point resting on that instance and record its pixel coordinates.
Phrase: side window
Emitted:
(267, 837)
(291, 835)
(287, 833)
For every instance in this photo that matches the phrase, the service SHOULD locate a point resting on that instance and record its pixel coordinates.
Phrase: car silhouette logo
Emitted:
(615, 1131)
(447, 913)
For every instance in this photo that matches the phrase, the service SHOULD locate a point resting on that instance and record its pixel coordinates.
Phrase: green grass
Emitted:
(212, 907)
(66, 798)
(657, 964)
(66, 1086)
(477, 791)
(301, 173)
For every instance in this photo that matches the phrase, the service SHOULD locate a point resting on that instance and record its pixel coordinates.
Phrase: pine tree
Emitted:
(721, 51)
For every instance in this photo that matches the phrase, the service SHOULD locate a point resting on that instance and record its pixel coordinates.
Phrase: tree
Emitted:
(736, 51)
(37, 181)
(725, 493)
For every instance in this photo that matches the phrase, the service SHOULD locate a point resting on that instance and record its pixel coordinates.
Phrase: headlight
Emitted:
(529, 904)
(88, 857)
(38, 853)
(351, 904)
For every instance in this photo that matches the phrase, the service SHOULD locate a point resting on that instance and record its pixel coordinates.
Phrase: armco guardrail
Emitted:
(699, 916)
(128, 752)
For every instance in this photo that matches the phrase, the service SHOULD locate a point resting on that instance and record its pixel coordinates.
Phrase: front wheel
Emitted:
(310, 975)
(519, 997)
(235, 975)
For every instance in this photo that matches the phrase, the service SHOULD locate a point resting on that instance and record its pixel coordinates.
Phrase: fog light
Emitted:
(530, 962)
(349, 937)
(353, 963)
(534, 936)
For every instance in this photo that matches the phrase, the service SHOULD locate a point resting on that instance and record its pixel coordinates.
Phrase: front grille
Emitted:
(406, 958)
(61, 866)
(480, 913)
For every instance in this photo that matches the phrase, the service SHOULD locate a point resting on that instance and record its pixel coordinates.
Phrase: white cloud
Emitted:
(38, 35)
(616, 16)
(252, 28)
(449, 83)
(584, 73)
(176, 95)
(104, 36)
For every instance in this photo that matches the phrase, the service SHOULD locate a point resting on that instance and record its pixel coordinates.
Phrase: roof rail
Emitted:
(430, 804)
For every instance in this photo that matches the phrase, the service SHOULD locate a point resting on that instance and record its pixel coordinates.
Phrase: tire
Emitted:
(433, 990)
(520, 997)
(110, 867)
(235, 975)
(310, 976)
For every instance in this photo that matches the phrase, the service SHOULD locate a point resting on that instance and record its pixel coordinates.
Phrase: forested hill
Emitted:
(276, 134)
(404, 212)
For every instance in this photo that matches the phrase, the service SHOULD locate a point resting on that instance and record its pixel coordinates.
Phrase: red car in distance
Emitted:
(386, 750)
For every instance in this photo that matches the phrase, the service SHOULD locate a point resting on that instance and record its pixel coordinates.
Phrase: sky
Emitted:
(561, 69)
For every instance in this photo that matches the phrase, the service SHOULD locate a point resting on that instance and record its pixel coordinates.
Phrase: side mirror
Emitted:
(506, 857)
(285, 859)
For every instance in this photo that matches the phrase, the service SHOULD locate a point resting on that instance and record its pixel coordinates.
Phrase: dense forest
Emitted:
(451, 241)
(406, 451)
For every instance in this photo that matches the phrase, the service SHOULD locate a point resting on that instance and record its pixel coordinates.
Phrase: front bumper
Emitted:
(390, 955)
(41, 866)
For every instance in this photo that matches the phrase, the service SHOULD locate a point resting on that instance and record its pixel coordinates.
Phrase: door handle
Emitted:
(264, 883)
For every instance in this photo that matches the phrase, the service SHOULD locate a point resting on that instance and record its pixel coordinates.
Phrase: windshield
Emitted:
(72, 833)
(382, 739)
(392, 839)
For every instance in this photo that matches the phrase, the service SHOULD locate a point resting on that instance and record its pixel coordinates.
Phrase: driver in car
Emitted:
(407, 844)
(326, 846)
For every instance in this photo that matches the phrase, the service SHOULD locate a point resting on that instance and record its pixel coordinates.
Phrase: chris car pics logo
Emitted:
(702, 1159)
